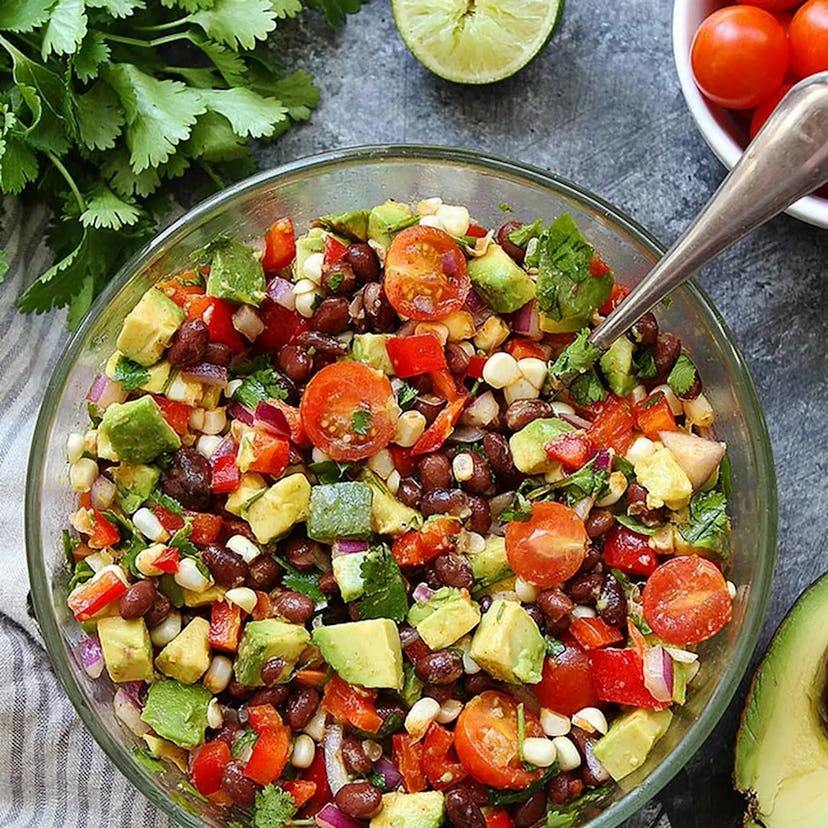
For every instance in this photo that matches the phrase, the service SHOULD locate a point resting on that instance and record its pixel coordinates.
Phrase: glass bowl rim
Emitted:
(745, 643)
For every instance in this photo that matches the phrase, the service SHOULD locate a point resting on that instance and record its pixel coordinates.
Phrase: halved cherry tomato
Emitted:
(208, 766)
(167, 561)
(653, 414)
(566, 685)
(413, 355)
(176, 414)
(440, 763)
(617, 295)
(571, 450)
(294, 418)
(407, 753)
(348, 410)
(334, 250)
(686, 600)
(426, 276)
(486, 741)
(629, 551)
(282, 326)
(619, 678)
(226, 477)
(280, 245)
(225, 626)
(301, 790)
(206, 527)
(549, 547)
(269, 756)
(417, 547)
(218, 316)
(612, 426)
(808, 34)
(352, 706)
(91, 597)
(437, 433)
(592, 633)
(104, 533)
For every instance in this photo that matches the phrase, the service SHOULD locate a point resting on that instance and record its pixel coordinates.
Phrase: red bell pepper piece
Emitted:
(524, 349)
(280, 245)
(206, 527)
(176, 414)
(619, 678)
(225, 626)
(104, 533)
(617, 295)
(208, 766)
(167, 561)
(182, 294)
(598, 267)
(414, 355)
(571, 450)
(629, 551)
(282, 326)
(269, 756)
(476, 231)
(498, 819)
(653, 414)
(91, 597)
(418, 547)
(271, 454)
(169, 520)
(217, 314)
(592, 633)
(317, 775)
(301, 790)
(437, 433)
(444, 384)
(612, 427)
(407, 754)
(354, 707)
(310, 678)
(334, 250)
(475, 369)
(440, 763)
(264, 717)
(226, 477)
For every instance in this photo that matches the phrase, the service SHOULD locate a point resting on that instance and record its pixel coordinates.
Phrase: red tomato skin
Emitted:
(208, 766)
(413, 355)
(226, 477)
(612, 426)
(280, 245)
(629, 551)
(619, 678)
(282, 326)
(771, 5)
(763, 111)
(334, 250)
(440, 763)
(739, 56)
(808, 34)
(567, 686)
(571, 450)
(206, 527)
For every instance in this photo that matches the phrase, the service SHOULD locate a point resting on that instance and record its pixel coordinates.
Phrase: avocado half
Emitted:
(782, 744)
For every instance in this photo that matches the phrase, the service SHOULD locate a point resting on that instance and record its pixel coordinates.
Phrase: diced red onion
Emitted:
(331, 817)
(348, 547)
(658, 674)
(91, 656)
(474, 302)
(227, 447)
(271, 419)
(281, 292)
(481, 412)
(103, 492)
(104, 392)
(206, 373)
(575, 420)
(682, 656)
(334, 765)
(128, 710)
(247, 322)
(526, 322)
(422, 593)
(386, 769)
(603, 461)
(238, 412)
(467, 434)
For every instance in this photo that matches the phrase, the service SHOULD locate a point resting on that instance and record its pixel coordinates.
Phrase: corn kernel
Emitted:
(501, 369)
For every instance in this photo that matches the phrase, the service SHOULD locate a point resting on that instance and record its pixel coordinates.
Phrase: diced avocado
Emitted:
(204, 598)
(370, 349)
(135, 483)
(446, 617)
(162, 749)
(263, 640)
(502, 283)
(630, 739)
(177, 712)
(352, 225)
(568, 325)
(366, 653)
(187, 657)
(347, 572)
(781, 746)
(664, 479)
(415, 810)
(312, 242)
(490, 565)
(281, 507)
(508, 644)
(136, 431)
(251, 486)
(157, 375)
(149, 327)
(616, 365)
(529, 444)
(340, 510)
(127, 649)
(385, 216)
(236, 273)
(389, 516)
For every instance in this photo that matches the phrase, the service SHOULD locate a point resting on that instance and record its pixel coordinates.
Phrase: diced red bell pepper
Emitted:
(302, 790)
(317, 775)
(226, 477)
(414, 355)
(571, 450)
(598, 267)
(269, 756)
(91, 597)
(437, 433)
(617, 295)
(444, 384)
(225, 626)
(208, 766)
(629, 551)
(475, 369)
(167, 561)
(524, 349)
(264, 717)
(217, 314)
(180, 293)
(612, 427)
(282, 326)
(619, 678)
(440, 763)
(206, 527)
(334, 250)
(418, 547)
(104, 533)
(351, 706)
(271, 454)
(407, 754)
(404, 463)
(498, 819)
(263, 608)
(169, 520)
(310, 678)
(176, 414)
(294, 419)
(280, 245)
(653, 414)
(85, 500)
(592, 633)
(476, 231)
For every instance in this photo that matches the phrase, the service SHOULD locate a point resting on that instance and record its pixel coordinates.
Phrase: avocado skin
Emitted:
(782, 747)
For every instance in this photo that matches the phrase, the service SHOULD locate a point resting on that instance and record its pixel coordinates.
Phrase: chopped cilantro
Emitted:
(586, 480)
(682, 376)
(83, 572)
(574, 812)
(243, 742)
(644, 366)
(378, 781)
(521, 509)
(70, 544)
(304, 582)
(169, 503)
(412, 686)
(588, 388)
(521, 235)
(384, 595)
(145, 758)
(181, 541)
(521, 734)
(335, 281)
(130, 374)
(554, 647)
(623, 465)
(577, 358)
(708, 522)
(273, 808)
(262, 385)
(635, 526)
(505, 208)
(361, 421)
(500, 798)
(406, 396)
(134, 548)
(330, 471)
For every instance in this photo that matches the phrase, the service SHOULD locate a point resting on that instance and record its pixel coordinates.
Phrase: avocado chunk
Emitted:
(447, 616)
(529, 444)
(177, 712)
(366, 653)
(617, 364)
(236, 273)
(136, 430)
(311, 242)
(134, 484)
(502, 283)
(664, 479)
(630, 739)
(781, 746)
(127, 649)
(251, 486)
(353, 225)
(152, 379)
(508, 644)
(162, 749)
(149, 327)
(263, 640)
(370, 349)
(385, 216)
(340, 510)
(347, 572)
(389, 516)
(415, 810)
(490, 565)
(281, 507)
(187, 657)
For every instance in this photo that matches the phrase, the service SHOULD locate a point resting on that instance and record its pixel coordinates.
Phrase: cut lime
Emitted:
(475, 41)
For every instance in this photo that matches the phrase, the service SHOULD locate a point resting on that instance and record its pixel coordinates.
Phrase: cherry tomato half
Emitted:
(566, 686)
(426, 276)
(808, 34)
(739, 56)
(349, 411)
(549, 547)
(770, 5)
(686, 600)
(486, 741)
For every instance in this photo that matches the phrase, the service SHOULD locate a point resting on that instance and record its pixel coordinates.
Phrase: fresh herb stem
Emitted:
(144, 44)
(165, 27)
(58, 165)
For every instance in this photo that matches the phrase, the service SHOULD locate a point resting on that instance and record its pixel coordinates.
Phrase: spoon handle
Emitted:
(786, 160)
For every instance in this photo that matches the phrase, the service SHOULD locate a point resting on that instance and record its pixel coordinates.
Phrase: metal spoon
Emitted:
(785, 161)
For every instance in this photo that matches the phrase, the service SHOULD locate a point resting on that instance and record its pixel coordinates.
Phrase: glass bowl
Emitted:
(345, 180)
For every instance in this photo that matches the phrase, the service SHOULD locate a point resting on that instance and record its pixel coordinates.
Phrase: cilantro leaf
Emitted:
(24, 15)
(134, 548)
(623, 465)
(117, 8)
(500, 798)
(130, 374)
(100, 117)
(682, 376)
(181, 541)
(237, 23)
(406, 396)
(330, 471)
(249, 114)
(295, 91)
(572, 814)
(245, 740)
(587, 482)
(66, 27)
(635, 525)
(304, 582)
(384, 595)
(229, 64)
(521, 235)
(577, 358)
(335, 11)
(361, 421)
(159, 498)
(83, 572)
(588, 388)
(260, 386)
(708, 524)
(105, 209)
(644, 366)
(18, 165)
(554, 647)
(521, 509)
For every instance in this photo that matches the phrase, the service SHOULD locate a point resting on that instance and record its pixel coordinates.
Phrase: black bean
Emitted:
(388, 706)
(189, 343)
(240, 691)
(637, 505)
(327, 583)
(443, 502)
(217, 353)
(380, 315)
(276, 696)
(665, 353)
(502, 238)
(481, 478)
(522, 412)
(228, 568)
(158, 612)
(481, 515)
(454, 571)
(441, 693)
(529, 813)
(564, 786)
(442, 667)
(591, 561)
(355, 758)
(554, 605)
(300, 552)
(359, 800)
(272, 670)
(339, 278)
(237, 786)
(478, 683)
(584, 589)
(463, 811)
(301, 706)
(612, 602)
(435, 471)
(229, 732)
(410, 492)
(592, 771)
(536, 614)
(599, 522)
(295, 362)
(295, 607)
(331, 317)
(456, 358)
(694, 390)
(324, 343)
(263, 573)
(233, 526)
(485, 602)
(498, 453)
(429, 405)
(188, 480)
(645, 331)
(364, 262)
(137, 600)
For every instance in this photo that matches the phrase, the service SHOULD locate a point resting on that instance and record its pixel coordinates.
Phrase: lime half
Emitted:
(475, 41)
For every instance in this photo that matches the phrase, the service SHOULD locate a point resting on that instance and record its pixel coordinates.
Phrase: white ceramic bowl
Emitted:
(719, 128)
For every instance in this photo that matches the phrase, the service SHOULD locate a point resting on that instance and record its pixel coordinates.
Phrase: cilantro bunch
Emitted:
(105, 103)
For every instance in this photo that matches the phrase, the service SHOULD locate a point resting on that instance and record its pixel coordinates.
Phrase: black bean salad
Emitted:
(352, 552)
